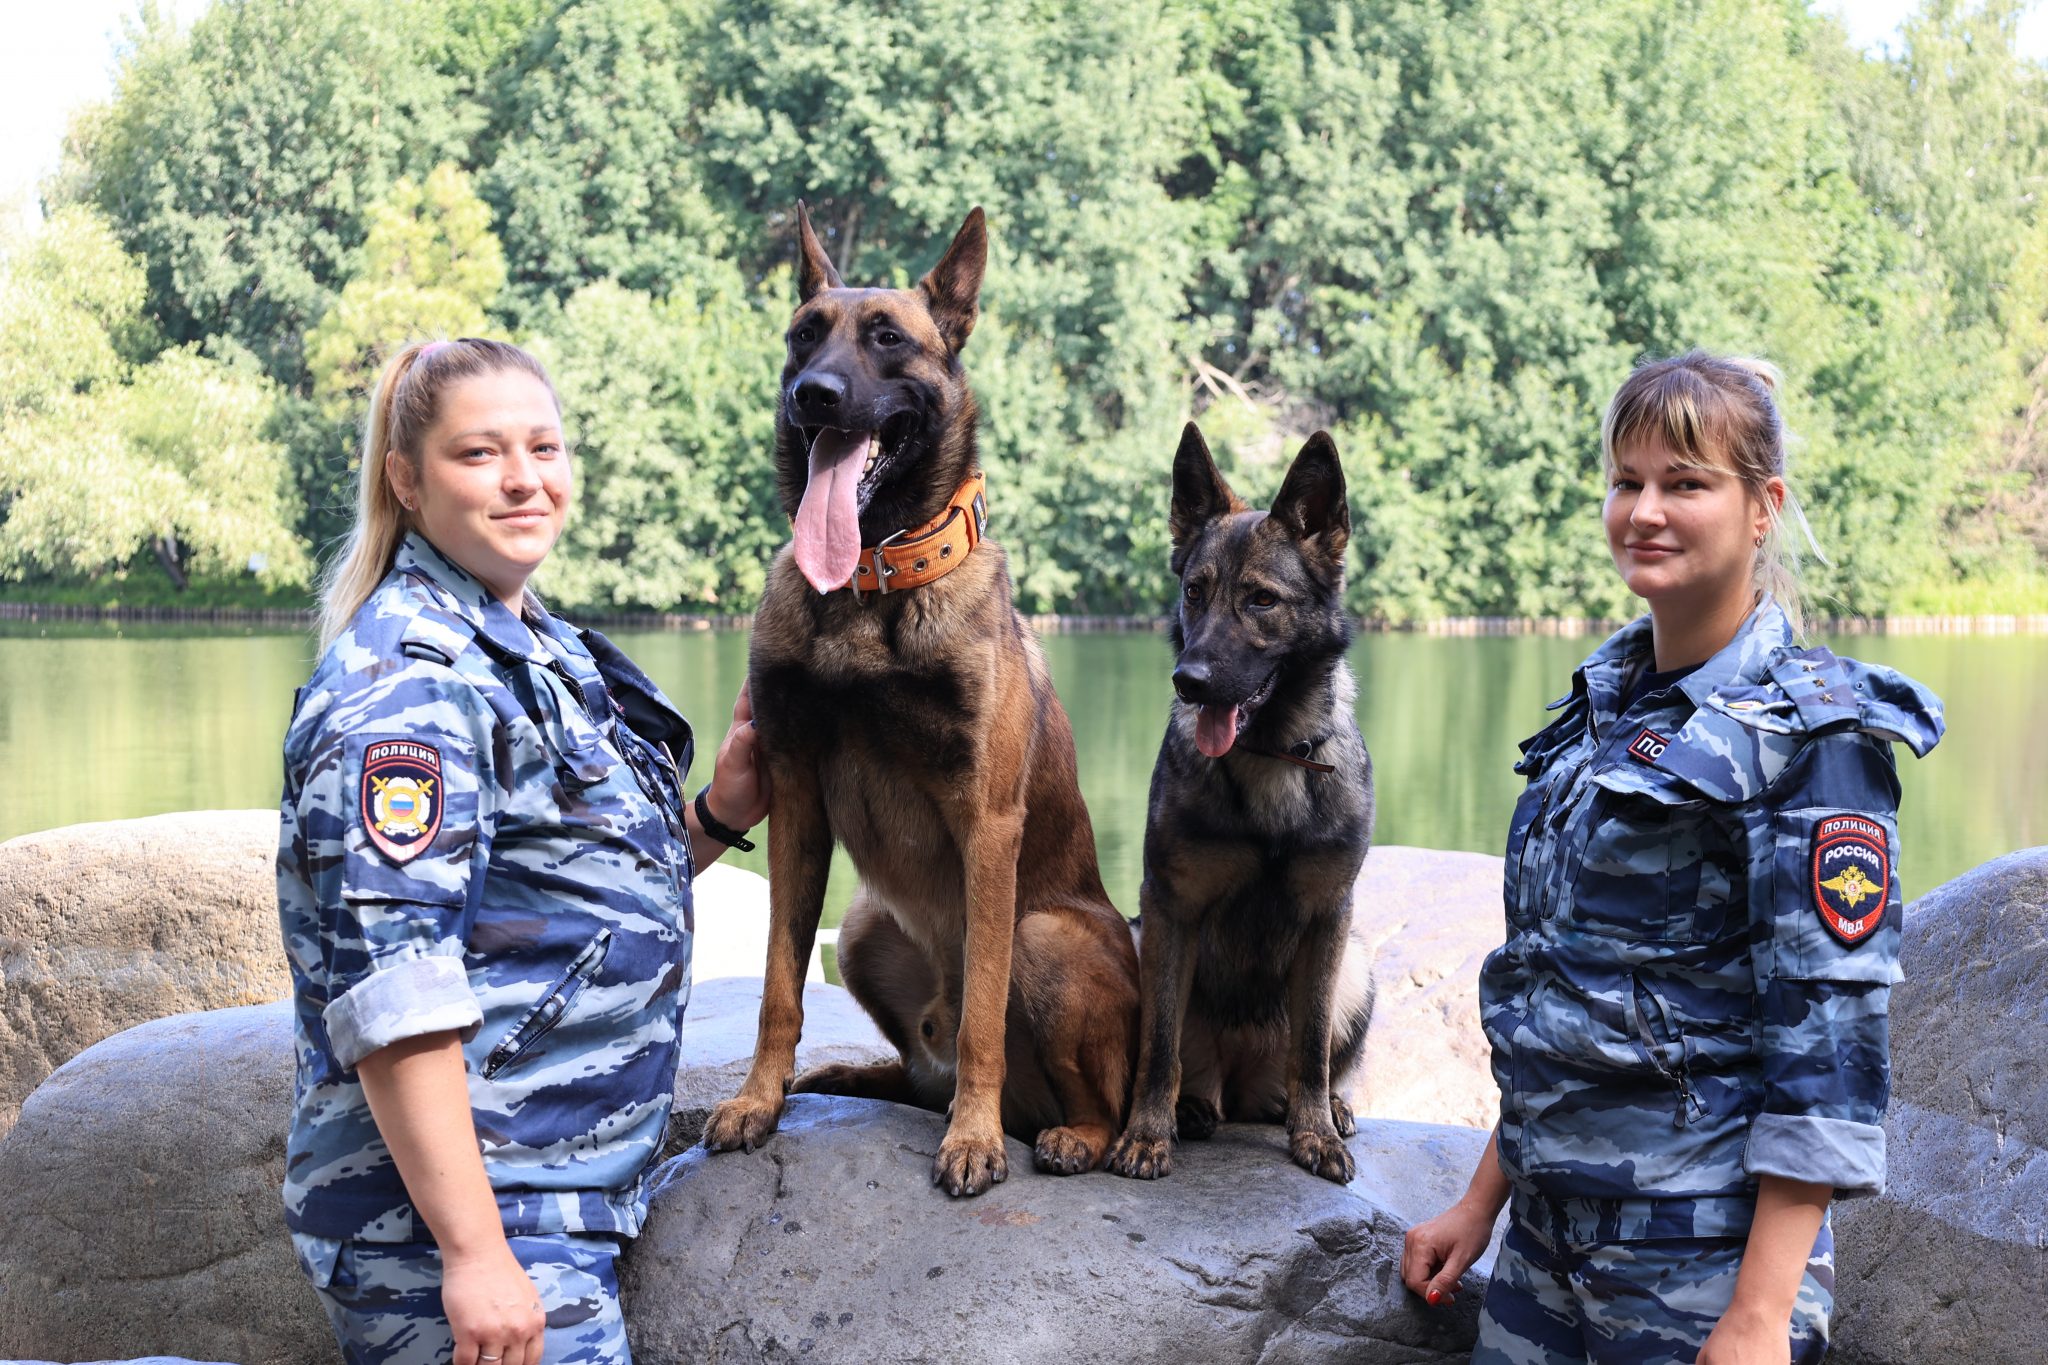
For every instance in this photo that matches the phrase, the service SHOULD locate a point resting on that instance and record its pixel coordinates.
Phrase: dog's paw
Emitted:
(740, 1122)
(834, 1078)
(968, 1164)
(1142, 1156)
(1322, 1154)
(1340, 1115)
(1062, 1151)
(1196, 1118)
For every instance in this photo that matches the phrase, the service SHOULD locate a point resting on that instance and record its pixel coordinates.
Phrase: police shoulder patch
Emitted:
(1851, 876)
(401, 796)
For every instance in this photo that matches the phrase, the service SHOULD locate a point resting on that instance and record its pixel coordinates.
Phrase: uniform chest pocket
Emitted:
(1654, 865)
(1549, 760)
(1519, 890)
(574, 743)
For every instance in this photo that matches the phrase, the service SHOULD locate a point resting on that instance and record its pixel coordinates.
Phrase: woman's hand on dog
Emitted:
(739, 776)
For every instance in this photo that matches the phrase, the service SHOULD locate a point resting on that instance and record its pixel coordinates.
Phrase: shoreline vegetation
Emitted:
(1441, 234)
(1573, 627)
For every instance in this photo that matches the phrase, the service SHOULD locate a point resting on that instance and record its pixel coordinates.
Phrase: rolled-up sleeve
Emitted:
(1828, 921)
(409, 818)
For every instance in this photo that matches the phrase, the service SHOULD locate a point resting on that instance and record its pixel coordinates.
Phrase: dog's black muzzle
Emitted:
(1201, 679)
(819, 398)
(1194, 683)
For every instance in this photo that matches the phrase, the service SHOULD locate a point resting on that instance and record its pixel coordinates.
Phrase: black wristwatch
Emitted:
(706, 821)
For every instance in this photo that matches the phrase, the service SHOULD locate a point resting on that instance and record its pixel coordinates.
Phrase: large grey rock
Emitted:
(106, 926)
(830, 1244)
(143, 1210)
(1951, 1262)
(1432, 918)
(143, 1213)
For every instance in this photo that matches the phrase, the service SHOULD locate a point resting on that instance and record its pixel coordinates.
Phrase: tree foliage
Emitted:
(1445, 234)
(100, 459)
(430, 266)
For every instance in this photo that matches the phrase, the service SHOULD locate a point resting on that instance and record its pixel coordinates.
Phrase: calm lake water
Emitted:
(99, 722)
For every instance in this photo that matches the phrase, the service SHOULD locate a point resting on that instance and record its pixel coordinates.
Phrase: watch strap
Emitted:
(725, 834)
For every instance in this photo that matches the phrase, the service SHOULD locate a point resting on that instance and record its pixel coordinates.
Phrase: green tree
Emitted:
(101, 459)
(1445, 235)
(1951, 145)
(593, 176)
(430, 266)
(670, 405)
(239, 159)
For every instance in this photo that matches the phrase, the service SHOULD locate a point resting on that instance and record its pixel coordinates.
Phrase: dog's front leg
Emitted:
(971, 1158)
(1166, 973)
(1312, 1137)
(799, 859)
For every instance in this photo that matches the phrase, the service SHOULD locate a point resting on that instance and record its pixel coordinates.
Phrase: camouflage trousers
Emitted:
(384, 1298)
(1630, 1303)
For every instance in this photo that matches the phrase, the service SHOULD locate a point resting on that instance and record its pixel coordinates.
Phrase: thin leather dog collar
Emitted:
(1298, 755)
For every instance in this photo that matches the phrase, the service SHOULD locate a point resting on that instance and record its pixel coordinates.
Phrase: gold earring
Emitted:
(1759, 539)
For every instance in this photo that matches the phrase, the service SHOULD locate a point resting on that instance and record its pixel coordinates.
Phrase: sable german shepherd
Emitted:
(1256, 990)
(918, 727)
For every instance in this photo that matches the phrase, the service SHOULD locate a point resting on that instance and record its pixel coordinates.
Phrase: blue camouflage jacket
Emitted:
(471, 839)
(1702, 935)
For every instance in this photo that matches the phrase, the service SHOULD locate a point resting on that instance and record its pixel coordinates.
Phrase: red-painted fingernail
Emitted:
(1436, 1296)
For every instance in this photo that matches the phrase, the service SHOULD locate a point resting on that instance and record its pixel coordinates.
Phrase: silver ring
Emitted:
(481, 1356)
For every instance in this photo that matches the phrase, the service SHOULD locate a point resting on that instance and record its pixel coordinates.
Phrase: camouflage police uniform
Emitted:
(1702, 935)
(481, 831)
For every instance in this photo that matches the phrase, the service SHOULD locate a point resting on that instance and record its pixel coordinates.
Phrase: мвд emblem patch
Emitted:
(401, 796)
(1851, 876)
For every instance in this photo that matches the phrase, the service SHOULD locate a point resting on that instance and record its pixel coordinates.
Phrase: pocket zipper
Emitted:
(1691, 1107)
(545, 1015)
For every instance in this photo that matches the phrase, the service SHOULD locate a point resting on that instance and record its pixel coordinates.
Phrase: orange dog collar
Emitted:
(915, 556)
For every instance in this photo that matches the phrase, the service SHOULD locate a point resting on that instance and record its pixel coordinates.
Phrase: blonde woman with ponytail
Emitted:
(1688, 1015)
(484, 881)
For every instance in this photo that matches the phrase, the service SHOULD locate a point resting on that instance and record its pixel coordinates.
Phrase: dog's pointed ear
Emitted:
(952, 289)
(1311, 503)
(814, 269)
(1199, 493)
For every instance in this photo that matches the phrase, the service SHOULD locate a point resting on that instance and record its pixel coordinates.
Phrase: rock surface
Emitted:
(143, 1213)
(1951, 1262)
(143, 1208)
(106, 926)
(829, 1244)
(1433, 917)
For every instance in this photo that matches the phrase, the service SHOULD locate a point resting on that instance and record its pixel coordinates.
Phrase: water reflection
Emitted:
(100, 723)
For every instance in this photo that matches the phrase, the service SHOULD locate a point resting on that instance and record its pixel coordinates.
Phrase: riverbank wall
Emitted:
(1568, 627)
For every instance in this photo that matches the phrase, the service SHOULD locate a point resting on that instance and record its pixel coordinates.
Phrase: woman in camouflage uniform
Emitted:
(484, 883)
(1688, 1016)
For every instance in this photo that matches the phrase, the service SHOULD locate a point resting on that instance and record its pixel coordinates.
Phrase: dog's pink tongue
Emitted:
(828, 519)
(1215, 729)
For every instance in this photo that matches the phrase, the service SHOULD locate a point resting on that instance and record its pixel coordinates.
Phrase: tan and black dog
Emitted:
(1256, 989)
(906, 713)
